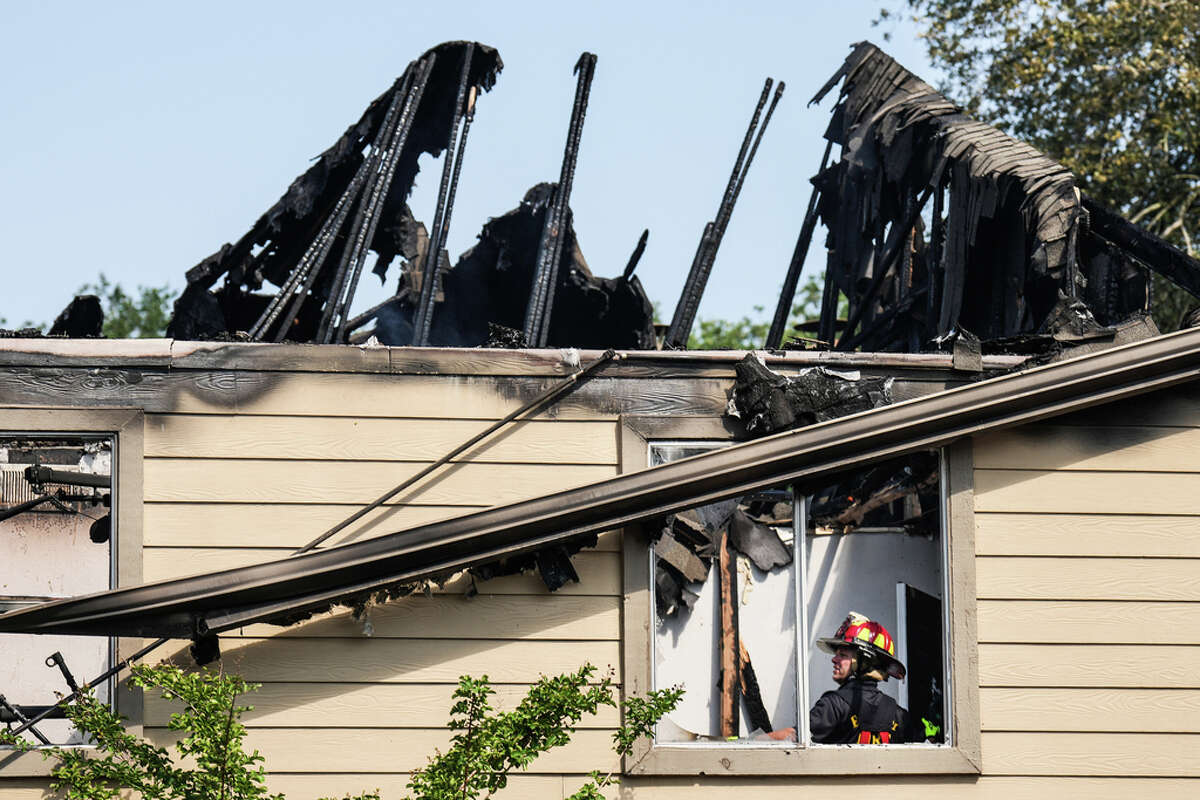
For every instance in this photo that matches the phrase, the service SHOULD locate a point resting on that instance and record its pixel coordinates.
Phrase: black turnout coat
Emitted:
(858, 713)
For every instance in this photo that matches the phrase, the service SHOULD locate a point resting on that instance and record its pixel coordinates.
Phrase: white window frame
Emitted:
(126, 428)
(961, 756)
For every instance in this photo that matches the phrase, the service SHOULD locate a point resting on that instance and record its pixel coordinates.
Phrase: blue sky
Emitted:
(138, 138)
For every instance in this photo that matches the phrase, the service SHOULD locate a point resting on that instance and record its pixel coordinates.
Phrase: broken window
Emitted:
(874, 545)
(745, 590)
(725, 613)
(55, 541)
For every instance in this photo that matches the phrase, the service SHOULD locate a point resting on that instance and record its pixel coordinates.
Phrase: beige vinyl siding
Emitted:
(1088, 568)
(340, 710)
(1087, 534)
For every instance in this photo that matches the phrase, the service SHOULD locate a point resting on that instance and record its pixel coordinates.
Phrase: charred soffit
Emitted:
(1012, 249)
(290, 588)
(527, 274)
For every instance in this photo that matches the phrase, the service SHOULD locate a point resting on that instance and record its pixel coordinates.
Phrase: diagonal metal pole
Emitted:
(27, 723)
(423, 321)
(545, 397)
(92, 684)
(554, 227)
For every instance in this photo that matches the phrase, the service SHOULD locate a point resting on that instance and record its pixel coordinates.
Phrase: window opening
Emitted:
(725, 614)
(769, 577)
(874, 546)
(55, 541)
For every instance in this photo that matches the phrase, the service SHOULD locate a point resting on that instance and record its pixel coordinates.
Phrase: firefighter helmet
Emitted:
(870, 639)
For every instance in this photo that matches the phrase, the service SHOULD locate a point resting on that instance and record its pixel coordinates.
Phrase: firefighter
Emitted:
(857, 712)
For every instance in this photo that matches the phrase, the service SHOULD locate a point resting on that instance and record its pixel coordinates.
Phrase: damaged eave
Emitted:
(299, 357)
(295, 586)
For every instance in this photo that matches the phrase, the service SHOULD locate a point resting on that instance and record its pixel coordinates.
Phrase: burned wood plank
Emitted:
(729, 646)
(756, 710)
(539, 309)
(710, 241)
(1159, 255)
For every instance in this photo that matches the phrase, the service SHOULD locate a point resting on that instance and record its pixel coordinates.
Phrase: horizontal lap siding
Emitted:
(347, 703)
(905, 788)
(1088, 581)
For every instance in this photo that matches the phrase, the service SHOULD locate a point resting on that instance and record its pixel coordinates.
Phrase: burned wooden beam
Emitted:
(312, 243)
(550, 247)
(1008, 232)
(1156, 253)
(451, 168)
(636, 255)
(783, 308)
(756, 710)
(710, 241)
(729, 645)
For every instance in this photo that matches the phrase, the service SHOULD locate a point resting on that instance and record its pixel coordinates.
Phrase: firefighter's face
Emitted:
(843, 664)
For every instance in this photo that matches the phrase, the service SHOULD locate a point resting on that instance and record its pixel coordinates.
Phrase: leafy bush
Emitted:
(211, 745)
(211, 763)
(489, 744)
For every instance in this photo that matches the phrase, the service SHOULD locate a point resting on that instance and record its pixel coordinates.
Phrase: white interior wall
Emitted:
(858, 572)
(686, 653)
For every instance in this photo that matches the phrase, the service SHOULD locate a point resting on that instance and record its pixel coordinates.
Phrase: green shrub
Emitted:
(210, 761)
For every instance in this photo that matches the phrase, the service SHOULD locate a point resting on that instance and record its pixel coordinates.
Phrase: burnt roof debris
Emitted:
(938, 228)
(313, 241)
(767, 402)
(527, 272)
(1009, 234)
(83, 317)
(686, 544)
(492, 282)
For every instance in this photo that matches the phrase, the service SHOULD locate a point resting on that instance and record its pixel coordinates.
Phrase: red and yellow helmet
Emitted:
(868, 637)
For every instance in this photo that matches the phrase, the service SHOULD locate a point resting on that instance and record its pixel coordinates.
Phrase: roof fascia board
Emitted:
(291, 357)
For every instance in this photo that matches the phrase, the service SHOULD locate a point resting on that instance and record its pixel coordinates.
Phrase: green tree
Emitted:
(142, 315)
(1110, 88)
